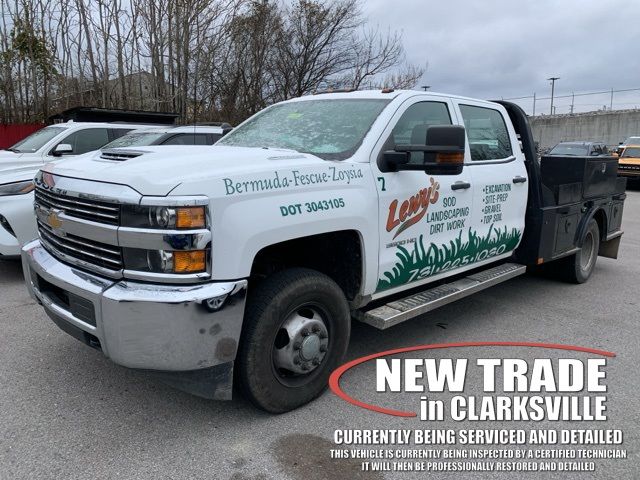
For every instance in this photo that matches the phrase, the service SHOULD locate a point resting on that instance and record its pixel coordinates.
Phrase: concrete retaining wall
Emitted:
(609, 127)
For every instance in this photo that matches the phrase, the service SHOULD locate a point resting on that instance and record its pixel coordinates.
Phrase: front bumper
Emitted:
(18, 212)
(629, 170)
(171, 329)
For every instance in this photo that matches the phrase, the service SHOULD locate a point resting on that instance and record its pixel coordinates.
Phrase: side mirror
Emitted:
(62, 149)
(443, 152)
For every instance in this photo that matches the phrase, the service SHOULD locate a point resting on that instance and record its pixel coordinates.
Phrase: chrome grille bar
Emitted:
(96, 211)
(100, 254)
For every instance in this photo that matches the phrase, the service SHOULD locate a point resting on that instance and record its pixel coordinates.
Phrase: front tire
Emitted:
(579, 267)
(296, 332)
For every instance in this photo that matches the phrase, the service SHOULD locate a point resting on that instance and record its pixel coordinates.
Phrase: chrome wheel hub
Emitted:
(587, 253)
(302, 342)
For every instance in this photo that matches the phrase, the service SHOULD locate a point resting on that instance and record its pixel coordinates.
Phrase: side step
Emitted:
(414, 305)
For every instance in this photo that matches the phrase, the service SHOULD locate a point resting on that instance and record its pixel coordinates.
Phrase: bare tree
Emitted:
(204, 59)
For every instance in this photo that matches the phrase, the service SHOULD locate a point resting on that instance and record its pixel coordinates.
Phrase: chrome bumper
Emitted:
(169, 328)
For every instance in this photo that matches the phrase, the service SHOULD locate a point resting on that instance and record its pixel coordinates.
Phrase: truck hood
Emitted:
(10, 160)
(17, 174)
(159, 169)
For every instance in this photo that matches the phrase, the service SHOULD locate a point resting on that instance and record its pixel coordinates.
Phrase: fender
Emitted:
(581, 231)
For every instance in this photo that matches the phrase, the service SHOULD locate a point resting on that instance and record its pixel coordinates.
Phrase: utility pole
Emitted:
(553, 85)
(573, 96)
(534, 104)
(611, 103)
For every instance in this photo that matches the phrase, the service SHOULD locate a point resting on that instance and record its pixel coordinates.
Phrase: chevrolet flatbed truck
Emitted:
(250, 261)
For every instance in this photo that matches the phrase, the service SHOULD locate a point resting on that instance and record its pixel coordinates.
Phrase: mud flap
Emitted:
(610, 247)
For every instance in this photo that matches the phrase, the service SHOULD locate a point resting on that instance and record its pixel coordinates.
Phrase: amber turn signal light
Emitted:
(189, 262)
(450, 157)
(190, 217)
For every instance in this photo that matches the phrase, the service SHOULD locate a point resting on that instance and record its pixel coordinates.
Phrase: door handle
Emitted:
(519, 179)
(460, 186)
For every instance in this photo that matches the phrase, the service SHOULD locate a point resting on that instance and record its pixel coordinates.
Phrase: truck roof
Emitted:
(381, 94)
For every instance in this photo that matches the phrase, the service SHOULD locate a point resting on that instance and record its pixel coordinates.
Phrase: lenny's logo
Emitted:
(413, 209)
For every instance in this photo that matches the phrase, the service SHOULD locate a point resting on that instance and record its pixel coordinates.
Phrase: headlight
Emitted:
(169, 218)
(165, 261)
(16, 188)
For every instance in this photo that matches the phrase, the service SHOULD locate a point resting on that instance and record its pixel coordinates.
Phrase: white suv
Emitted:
(19, 163)
(62, 140)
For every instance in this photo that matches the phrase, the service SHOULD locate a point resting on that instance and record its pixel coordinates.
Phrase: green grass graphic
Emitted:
(421, 263)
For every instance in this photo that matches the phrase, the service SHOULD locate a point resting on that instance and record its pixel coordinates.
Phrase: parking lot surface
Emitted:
(67, 412)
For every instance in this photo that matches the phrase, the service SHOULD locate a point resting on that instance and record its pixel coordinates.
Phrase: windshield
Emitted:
(135, 139)
(330, 129)
(36, 140)
(631, 140)
(631, 152)
(569, 149)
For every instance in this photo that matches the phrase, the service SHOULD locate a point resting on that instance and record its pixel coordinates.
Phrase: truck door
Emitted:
(423, 218)
(496, 165)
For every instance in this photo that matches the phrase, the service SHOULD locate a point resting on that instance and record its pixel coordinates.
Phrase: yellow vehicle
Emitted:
(629, 162)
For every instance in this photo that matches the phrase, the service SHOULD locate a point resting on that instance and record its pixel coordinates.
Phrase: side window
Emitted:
(487, 133)
(83, 141)
(412, 126)
(214, 137)
(187, 139)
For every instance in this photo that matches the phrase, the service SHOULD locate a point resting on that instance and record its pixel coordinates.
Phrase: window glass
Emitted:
(136, 139)
(331, 129)
(631, 152)
(119, 132)
(83, 141)
(187, 139)
(411, 129)
(572, 149)
(37, 140)
(487, 133)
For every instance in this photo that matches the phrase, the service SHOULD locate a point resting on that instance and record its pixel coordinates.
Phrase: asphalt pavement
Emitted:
(67, 412)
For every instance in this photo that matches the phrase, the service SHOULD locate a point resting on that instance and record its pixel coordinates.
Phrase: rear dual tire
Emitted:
(578, 268)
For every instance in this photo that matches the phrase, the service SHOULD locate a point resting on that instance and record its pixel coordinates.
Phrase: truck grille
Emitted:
(100, 254)
(87, 209)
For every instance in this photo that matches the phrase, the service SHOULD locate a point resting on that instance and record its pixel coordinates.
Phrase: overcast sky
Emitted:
(507, 48)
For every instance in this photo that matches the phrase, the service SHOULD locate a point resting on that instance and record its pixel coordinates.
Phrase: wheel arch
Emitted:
(600, 216)
(340, 255)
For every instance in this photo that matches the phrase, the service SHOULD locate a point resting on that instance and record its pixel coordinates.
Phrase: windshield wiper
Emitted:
(14, 150)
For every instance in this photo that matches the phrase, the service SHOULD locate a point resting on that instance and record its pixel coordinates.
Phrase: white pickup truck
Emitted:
(250, 261)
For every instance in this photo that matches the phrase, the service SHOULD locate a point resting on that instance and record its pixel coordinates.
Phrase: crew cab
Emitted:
(251, 260)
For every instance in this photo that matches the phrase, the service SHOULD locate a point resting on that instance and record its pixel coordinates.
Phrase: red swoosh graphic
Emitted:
(334, 380)
(410, 222)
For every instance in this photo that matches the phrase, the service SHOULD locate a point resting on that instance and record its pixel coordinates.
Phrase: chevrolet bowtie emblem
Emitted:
(53, 220)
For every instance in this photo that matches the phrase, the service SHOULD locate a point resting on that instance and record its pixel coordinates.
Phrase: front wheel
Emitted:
(579, 267)
(296, 332)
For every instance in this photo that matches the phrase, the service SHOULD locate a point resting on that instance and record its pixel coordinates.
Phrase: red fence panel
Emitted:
(10, 134)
